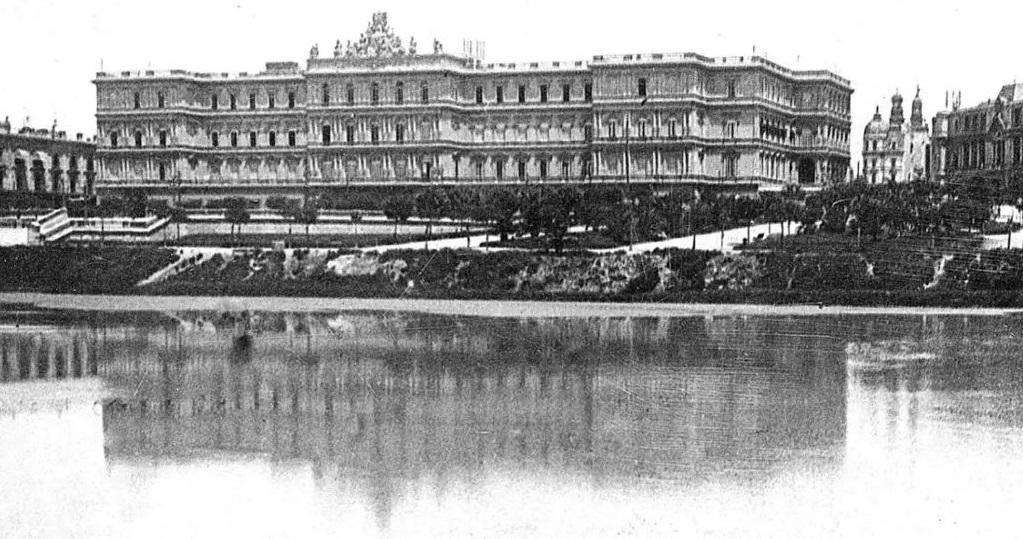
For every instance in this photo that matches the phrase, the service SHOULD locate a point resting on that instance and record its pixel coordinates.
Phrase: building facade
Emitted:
(46, 161)
(981, 141)
(894, 151)
(376, 112)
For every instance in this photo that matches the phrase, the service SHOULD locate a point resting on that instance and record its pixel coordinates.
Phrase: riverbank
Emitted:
(898, 275)
(488, 308)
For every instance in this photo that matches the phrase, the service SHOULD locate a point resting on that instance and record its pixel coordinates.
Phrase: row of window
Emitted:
(215, 101)
(544, 93)
(162, 139)
(672, 126)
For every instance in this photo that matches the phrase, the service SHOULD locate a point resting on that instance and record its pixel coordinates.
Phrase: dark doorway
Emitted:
(807, 171)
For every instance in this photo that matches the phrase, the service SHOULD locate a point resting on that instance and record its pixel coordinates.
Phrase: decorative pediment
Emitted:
(378, 41)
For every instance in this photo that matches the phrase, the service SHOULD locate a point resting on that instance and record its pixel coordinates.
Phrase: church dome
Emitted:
(876, 126)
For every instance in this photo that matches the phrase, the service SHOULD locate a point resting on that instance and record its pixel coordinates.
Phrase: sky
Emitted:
(53, 48)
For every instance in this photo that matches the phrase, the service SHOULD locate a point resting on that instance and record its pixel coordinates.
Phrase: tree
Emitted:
(461, 202)
(399, 208)
(236, 212)
(504, 203)
(430, 205)
(556, 214)
(307, 213)
(134, 203)
(676, 207)
(178, 215)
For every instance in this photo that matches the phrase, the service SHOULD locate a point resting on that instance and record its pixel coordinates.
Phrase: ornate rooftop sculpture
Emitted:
(378, 41)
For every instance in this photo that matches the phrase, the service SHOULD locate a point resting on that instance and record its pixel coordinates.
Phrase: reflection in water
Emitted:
(396, 418)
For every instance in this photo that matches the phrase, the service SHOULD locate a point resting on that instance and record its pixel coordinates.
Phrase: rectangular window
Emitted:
(543, 93)
(252, 101)
(138, 100)
(163, 139)
(215, 139)
(234, 140)
(326, 134)
(374, 94)
(588, 92)
(522, 94)
(252, 139)
(566, 93)
(350, 134)
(325, 98)
(272, 138)
(350, 94)
(671, 129)
(163, 172)
(543, 169)
(642, 87)
(271, 100)
(159, 100)
(500, 94)
(291, 138)
(374, 134)
(731, 88)
(424, 93)
(522, 170)
(399, 133)
(399, 93)
(291, 100)
(566, 169)
(214, 101)
(499, 169)
(479, 170)
(138, 139)
(113, 140)
(479, 95)
(588, 133)
(234, 102)
(612, 130)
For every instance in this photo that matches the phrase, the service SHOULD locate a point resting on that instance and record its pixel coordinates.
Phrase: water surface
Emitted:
(402, 424)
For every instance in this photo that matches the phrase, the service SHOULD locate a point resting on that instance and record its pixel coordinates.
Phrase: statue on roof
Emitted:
(315, 51)
(378, 41)
(437, 47)
(412, 46)
(338, 51)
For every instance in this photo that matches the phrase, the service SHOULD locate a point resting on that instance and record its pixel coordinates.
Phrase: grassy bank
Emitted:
(809, 271)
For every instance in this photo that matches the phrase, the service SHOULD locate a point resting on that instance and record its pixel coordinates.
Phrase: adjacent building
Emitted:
(981, 141)
(894, 151)
(378, 112)
(46, 161)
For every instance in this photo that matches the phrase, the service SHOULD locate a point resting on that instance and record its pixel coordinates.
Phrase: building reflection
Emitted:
(387, 400)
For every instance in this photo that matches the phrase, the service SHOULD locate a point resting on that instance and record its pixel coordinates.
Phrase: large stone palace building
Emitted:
(981, 141)
(45, 161)
(377, 112)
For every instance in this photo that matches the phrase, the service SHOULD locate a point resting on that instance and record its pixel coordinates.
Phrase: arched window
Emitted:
(399, 93)
(326, 134)
(113, 139)
(138, 139)
(326, 94)
(350, 93)
(374, 94)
